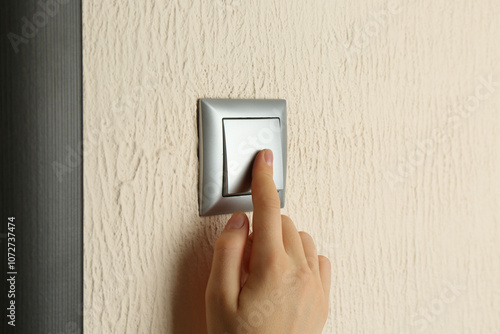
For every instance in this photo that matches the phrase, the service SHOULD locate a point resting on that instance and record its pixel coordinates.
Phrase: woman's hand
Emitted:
(272, 281)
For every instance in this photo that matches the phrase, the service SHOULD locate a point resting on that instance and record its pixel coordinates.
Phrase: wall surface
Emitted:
(394, 141)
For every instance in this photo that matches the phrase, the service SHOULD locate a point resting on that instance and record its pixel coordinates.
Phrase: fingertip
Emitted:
(262, 172)
(263, 161)
(237, 221)
(268, 157)
(326, 262)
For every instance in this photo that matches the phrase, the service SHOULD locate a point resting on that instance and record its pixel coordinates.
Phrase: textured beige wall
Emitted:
(394, 166)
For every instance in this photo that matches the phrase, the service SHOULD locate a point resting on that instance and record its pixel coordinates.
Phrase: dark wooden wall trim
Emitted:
(41, 164)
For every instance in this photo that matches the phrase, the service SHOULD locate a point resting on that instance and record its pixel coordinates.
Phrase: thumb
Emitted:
(224, 281)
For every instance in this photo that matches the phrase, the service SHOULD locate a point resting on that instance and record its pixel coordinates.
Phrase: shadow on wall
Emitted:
(192, 271)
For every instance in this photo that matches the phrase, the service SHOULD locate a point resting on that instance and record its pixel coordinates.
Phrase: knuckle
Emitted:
(275, 263)
(304, 275)
(215, 297)
(226, 245)
(312, 262)
(268, 201)
(299, 278)
(262, 179)
(274, 260)
(304, 264)
(264, 175)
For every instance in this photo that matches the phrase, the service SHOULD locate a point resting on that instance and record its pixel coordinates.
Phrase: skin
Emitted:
(271, 281)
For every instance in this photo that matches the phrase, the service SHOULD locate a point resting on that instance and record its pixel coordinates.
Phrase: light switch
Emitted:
(243, 139)
(231, 132)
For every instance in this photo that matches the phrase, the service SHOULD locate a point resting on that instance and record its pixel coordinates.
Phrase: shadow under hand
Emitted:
(191, 276)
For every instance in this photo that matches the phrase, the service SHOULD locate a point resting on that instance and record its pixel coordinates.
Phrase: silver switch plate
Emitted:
(231, 133)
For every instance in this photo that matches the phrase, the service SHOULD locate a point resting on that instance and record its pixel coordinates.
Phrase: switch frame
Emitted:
(211, 113)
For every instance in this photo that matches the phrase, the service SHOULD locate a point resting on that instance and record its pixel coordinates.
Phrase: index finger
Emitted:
(267, 226)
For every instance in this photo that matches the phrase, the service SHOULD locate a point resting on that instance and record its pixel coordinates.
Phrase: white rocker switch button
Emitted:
(243, 139)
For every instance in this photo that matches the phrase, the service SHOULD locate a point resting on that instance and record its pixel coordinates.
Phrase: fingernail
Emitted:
(236, 221)
(268, 156)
